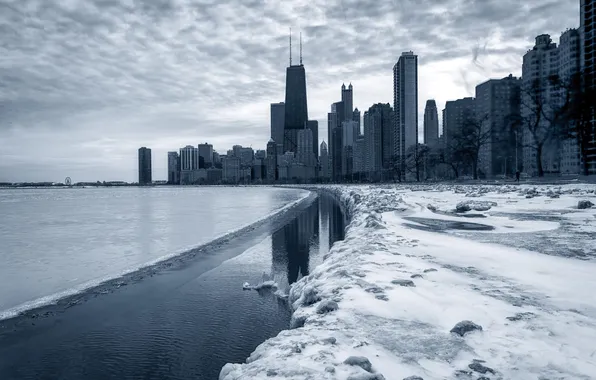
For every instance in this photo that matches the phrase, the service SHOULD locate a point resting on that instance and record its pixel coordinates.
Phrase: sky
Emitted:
(85, 83)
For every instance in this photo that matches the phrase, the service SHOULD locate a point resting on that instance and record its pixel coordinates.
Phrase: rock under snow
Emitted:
(326, 306)
(359, 361)
(464, 327)
(584, 204)
(475, 205)
(403, 283)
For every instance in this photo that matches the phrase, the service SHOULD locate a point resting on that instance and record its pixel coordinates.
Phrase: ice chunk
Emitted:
(464, 327)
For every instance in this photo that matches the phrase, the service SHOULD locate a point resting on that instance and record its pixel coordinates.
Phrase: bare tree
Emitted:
(537, 117)
(475, 134)
(415, 159)
(576, 111)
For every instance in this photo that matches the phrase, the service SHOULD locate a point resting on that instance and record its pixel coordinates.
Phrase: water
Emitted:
(55, 242)
(185, 321)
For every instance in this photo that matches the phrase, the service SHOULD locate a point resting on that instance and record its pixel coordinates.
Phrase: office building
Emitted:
(271, 160)
(173, 168)
(431, 124)
(231, 169)
(324, 161)
(405, 106)
(497, 104)
(455, 114)
(359, 155)
(278, 114)
(379, 139)
(145, 166)
(206, 152)
(569, 66)
(313, 125)
(356, 117)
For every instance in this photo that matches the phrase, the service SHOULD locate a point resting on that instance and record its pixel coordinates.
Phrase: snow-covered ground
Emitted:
(383, 302)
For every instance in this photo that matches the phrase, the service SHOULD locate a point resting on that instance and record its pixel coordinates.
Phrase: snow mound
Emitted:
(367, 312)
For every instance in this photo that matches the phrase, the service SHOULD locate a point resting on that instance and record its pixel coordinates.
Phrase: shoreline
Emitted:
(59, 302)
(351, 321)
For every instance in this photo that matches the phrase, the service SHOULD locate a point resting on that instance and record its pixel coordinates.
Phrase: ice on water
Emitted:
(413, 290)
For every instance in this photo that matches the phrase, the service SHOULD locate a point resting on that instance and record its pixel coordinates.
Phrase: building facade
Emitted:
(324, 161)
(295, 109)
(588, 67)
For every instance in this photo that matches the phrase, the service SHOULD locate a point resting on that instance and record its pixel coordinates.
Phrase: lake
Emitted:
(184, 317)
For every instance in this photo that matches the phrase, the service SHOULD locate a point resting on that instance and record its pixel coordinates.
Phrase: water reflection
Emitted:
(298, 246)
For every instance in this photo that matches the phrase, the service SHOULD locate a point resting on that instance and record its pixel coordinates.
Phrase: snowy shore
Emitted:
(516, 264)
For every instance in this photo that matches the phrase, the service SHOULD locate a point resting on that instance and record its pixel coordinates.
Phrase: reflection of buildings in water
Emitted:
(295, 243)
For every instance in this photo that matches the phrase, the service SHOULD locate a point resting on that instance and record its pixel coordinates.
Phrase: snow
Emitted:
(411, 268)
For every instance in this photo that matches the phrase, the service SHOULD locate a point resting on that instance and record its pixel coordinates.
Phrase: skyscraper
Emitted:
(144, 166)
(296, 111)
(173, 168)
(405, 105)
(335, 119)
(278, 114)
(431, 123)
(347, 96)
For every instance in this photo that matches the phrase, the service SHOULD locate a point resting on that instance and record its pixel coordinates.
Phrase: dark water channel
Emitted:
(183, 320)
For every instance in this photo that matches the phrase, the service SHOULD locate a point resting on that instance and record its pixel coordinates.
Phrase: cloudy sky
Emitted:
(85, 83)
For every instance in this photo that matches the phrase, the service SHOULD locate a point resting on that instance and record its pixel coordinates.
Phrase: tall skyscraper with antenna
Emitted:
(296, 111)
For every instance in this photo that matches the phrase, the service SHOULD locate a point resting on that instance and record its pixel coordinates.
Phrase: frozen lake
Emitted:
(55, 242)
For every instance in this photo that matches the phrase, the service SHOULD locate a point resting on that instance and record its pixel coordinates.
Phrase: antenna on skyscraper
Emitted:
(300, 48)
(290, 46)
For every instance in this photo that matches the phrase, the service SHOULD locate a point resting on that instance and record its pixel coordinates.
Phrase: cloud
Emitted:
(84, 83)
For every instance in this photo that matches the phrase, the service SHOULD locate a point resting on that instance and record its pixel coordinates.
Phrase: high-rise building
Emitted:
(246, 156)
(296, 111)
(304, 152)
(379, 139)
(431, 123)
(231, 169)
(278, 114)
(454, 116)
(189, 158)
(359, 155)
(271, 160)
(334, 122)
(260, 154)
(173, 168)
(497, 103)
(324, 161)
(347, 97)
(206, 152)
(588, 67)
(356, 117)
(539, 64)
(405, 105)
(189, 164)
(569, 66)
(144, 166)
(313, 125)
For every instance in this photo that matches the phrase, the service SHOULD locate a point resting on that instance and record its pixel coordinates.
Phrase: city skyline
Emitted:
(84, 114)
